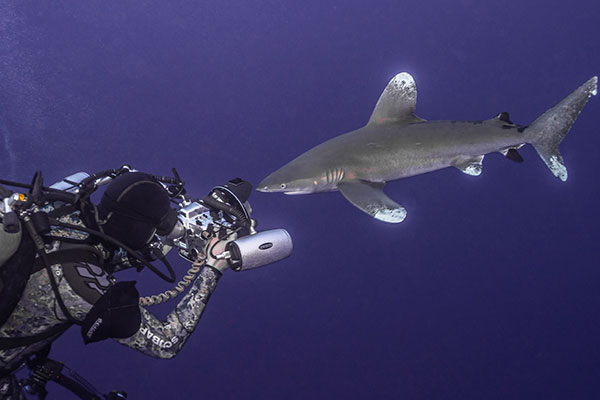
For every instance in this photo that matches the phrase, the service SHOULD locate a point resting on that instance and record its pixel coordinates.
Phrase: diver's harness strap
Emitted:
(135, 254)
(8, 343)
(78, 253)
(39, 244)
(115, 315)
(24, 261)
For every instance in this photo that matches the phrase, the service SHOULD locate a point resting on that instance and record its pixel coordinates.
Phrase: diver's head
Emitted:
(135, 207)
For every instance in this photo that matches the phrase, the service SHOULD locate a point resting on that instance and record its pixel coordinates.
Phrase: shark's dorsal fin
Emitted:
(397, 102)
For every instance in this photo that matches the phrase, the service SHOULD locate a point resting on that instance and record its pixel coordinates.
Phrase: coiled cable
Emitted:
(186, 281)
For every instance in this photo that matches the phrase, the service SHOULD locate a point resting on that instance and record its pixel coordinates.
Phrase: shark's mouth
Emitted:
(284, 191)
(298, 192)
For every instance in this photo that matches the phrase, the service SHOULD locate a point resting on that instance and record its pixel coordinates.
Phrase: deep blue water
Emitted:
(489, 290)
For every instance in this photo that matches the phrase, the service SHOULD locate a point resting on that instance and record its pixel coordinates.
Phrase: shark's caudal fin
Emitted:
(546, 132)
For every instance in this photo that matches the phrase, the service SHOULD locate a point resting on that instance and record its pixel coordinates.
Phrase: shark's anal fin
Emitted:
(397, 102)
(471, 167)
(512, 154)
(369, 197)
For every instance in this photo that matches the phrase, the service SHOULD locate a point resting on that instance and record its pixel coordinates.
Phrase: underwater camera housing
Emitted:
(223, 211)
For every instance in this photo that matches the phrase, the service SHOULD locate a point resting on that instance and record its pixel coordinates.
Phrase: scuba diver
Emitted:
(59, 252)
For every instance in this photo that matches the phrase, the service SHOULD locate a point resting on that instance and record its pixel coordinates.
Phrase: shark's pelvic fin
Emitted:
(397, 102)
(369, 197)
(471, 167)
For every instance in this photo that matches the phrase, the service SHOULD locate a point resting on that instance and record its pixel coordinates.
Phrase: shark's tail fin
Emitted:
(546, 132)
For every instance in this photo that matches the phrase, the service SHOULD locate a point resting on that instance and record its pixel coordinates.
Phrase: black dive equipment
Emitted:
(43, 369)
(134, 215)
(136, 218)
(77, 198)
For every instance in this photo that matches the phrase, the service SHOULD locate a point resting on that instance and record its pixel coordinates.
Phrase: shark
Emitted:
(395, 144)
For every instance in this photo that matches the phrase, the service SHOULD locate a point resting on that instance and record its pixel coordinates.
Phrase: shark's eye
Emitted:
(283, 186)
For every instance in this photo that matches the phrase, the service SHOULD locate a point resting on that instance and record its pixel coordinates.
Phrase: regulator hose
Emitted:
(236, 212)
(171, 278)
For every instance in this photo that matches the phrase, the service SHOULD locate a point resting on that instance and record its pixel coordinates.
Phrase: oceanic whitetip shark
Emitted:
(396, 144)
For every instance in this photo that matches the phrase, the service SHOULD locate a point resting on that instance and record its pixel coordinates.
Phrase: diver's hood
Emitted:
(135, 207)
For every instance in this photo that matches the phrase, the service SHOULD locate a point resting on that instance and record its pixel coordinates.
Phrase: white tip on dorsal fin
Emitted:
(397, 102)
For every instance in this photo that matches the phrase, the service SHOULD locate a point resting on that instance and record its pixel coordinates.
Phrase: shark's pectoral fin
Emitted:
(471, 167)
(369, 197)
(397, 102)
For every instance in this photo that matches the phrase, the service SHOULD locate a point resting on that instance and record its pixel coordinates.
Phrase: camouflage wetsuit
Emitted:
(38, 311)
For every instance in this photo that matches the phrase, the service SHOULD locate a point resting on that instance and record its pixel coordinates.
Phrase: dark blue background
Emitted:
(489, 289)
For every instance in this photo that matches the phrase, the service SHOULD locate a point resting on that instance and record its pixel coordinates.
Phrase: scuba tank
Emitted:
(17, 250)
(16, 257)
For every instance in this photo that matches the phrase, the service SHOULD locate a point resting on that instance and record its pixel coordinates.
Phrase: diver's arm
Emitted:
(165, 339)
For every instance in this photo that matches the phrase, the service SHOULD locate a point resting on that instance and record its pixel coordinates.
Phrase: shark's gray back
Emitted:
(396, 150)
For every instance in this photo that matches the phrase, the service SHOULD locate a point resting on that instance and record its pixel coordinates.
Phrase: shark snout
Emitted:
(270, 188)
(287, 180)
(275, 184)
(262, 188)
(268, 185)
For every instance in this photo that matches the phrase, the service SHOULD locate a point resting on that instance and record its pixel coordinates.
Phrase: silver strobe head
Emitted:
(260, 249)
